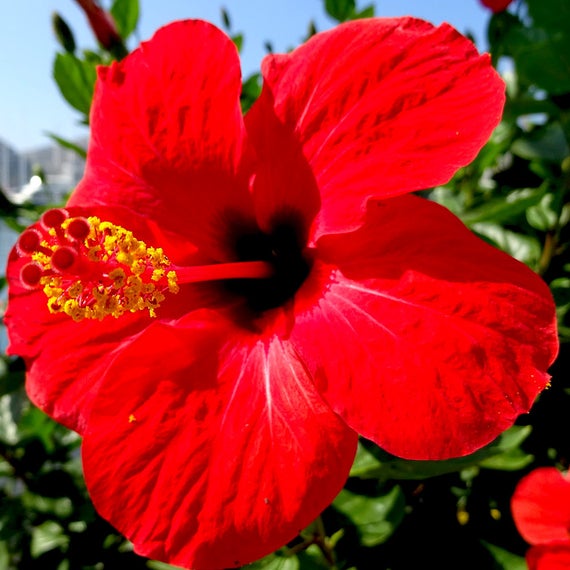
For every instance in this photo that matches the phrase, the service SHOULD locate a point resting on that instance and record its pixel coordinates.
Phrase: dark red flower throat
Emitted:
(283, 249)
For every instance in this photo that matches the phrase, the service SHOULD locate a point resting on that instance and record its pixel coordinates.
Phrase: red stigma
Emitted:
(78, 229)
(30, 275)
(64, 258)
(29, 241)
(53, 218)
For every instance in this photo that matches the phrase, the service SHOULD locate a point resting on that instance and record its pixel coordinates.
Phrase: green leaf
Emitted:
(525, 248)
(76, 80)
(561, 290)
(36, 424)
(512, 460)
(367, 12)
(276, 561)
(548, 143)
(526, 105)
(340, 10)
(544, 215)
(312, 30)
(511, 438)
(155, 565)
(553, 15)
(63, 33)
(68, 144)
(364, 463)
(542, 58)
(226, 20)
(251, 89)
(505, 559)
(374, 463)
(4, 555)
(238, 41)
(504, 208)
(46, 537)
(447, 197)
(498, 30)
(376, 518)
(126, 16)
(312, 558)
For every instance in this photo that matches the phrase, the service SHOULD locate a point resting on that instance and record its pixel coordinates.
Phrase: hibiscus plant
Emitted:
(315, 317)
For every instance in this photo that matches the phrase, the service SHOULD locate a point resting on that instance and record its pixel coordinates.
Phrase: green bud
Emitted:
(63, 33)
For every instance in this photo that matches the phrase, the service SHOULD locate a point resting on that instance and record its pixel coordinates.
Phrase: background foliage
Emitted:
(392, 514)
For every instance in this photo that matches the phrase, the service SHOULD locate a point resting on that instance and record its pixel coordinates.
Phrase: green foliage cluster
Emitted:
(392, 513)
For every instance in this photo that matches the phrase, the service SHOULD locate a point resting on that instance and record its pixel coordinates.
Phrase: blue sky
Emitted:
(30, 103)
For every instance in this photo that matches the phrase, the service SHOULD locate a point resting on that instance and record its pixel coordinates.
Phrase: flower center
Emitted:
(90, 268)
(283, 250)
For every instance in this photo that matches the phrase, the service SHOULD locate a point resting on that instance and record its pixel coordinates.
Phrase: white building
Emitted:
(61, 170)
(15, 169)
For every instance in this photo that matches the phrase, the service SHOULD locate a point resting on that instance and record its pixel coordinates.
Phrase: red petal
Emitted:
(541, 506)
(66, 359)
(210, 456)
(167, 134)
(377, 107)
(551, 557)
(426, 340)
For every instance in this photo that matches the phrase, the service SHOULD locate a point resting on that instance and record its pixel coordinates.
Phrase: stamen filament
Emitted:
(236, 270)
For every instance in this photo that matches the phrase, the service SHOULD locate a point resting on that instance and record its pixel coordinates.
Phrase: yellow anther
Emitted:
(93, 254)
(172, 282)
(53, 305)
(138, 266)
(76, 289)
(71, 307)
(157, 274)
(54, 288)
(119, 278)
(124, 257)
(41, 258)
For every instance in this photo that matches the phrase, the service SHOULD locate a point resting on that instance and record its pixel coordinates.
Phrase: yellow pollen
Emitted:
(132, 418)
(93, 253)
(42, 258)
(118, 276)
(172, 282)
(114, 274)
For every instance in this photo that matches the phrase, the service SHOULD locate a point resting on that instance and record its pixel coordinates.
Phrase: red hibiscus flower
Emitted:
(541, 511)
(496, 5)
(276, 289)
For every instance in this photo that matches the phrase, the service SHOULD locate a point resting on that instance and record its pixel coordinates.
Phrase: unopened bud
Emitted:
(496, 5)
(104, 28)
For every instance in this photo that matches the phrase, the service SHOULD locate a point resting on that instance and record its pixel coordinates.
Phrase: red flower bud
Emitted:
(103, 27)
(496, 5)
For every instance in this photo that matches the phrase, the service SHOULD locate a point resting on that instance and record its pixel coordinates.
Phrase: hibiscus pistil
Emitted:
(90, 268)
